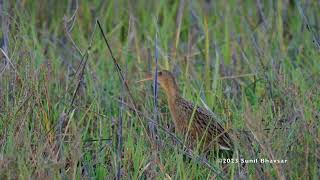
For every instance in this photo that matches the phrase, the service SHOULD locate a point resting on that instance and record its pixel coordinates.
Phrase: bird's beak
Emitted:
(149, 77)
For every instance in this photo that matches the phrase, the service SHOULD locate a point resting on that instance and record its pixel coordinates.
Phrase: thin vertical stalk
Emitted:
(280, 26)
(178, 25)
(207, 56)
(119, 135)
(152, 127)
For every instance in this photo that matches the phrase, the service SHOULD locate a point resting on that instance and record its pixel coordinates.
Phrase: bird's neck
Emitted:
(177, 116)
(172, 91)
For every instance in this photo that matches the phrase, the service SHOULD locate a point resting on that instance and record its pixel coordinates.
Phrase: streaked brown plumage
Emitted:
(195, 122)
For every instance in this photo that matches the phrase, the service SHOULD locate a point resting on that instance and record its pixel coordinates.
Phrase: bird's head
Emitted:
(166, 80)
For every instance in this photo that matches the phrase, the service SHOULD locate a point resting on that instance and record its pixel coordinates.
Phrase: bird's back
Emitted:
(203, 126)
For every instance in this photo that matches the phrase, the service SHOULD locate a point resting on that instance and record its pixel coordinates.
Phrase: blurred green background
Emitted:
(253, 63)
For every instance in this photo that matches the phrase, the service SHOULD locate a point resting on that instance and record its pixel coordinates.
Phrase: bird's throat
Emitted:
(171, 90)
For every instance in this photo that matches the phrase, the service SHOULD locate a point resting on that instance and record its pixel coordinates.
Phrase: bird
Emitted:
(196, 123)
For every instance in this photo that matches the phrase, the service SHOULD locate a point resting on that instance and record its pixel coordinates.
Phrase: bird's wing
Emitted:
(205, 121)
(213, 127)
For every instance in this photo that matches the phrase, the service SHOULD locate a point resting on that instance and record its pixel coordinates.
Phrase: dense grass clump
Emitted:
(64, 111)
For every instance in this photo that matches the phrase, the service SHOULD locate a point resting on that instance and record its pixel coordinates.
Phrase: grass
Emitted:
(255, 64)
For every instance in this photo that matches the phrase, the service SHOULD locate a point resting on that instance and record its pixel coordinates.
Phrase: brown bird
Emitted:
(197, 123)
